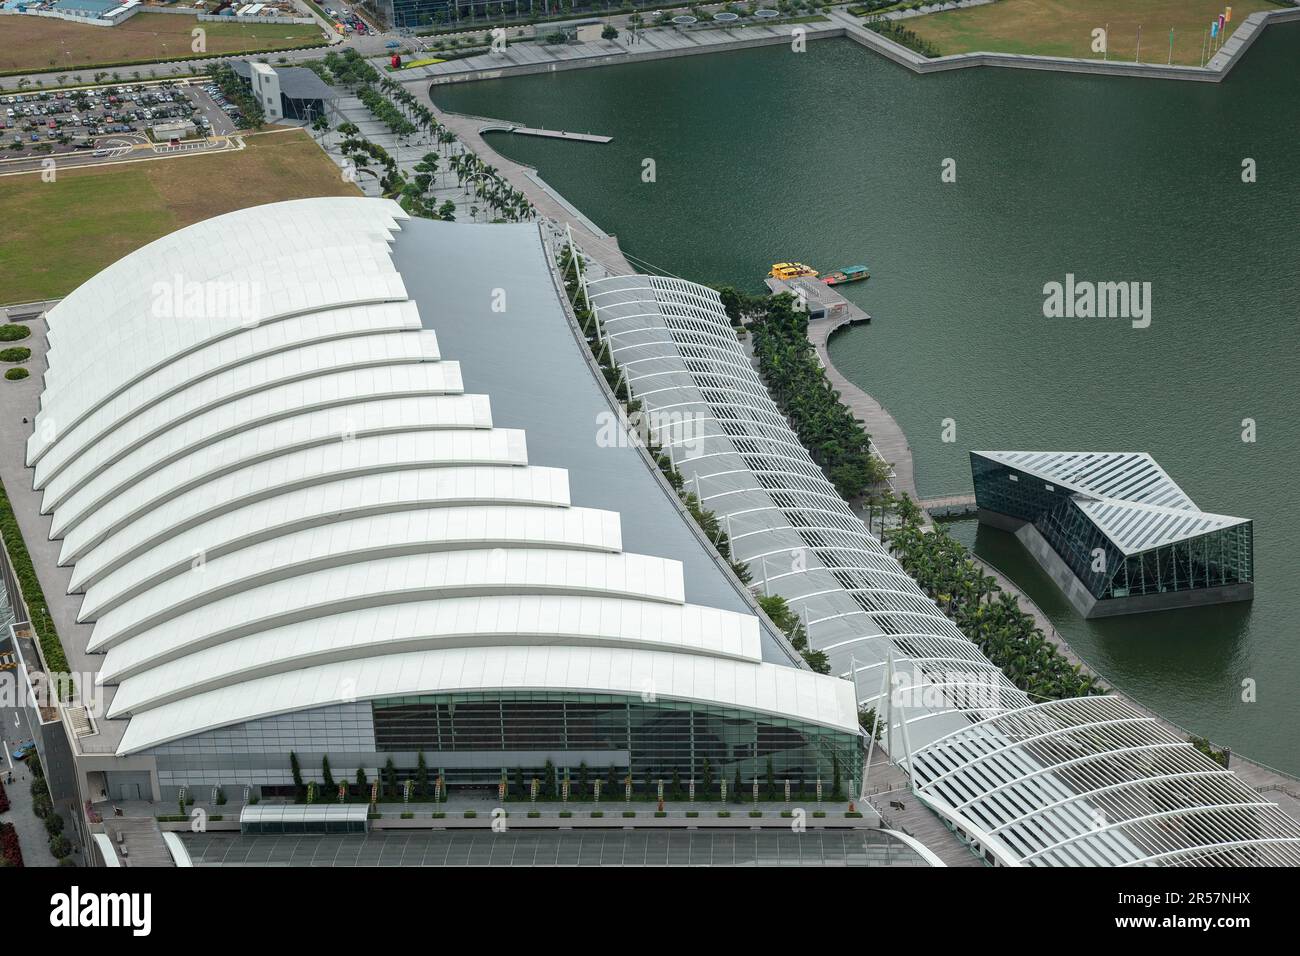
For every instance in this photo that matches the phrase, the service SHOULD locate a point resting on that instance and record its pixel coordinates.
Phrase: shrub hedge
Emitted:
(33, 596)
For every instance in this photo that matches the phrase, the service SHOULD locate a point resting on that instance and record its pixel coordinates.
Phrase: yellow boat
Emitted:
(791, 270)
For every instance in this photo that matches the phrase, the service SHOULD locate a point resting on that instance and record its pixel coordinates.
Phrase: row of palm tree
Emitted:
(990, 617)
(798, 384)
(413, 123)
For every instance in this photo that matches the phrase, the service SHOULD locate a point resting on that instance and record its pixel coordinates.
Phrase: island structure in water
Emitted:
(1114, 531)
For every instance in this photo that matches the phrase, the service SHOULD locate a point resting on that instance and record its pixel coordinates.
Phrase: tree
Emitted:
(706, 773)
(296, 771)
(327, 775)
(869, 722)
(421, 777)
(363, 784)
(735, 786)
(390, 780)
(610, 32)
(771, 780)
(548, 779)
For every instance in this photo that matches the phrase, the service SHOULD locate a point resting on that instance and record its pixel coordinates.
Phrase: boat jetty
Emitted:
(820, 299)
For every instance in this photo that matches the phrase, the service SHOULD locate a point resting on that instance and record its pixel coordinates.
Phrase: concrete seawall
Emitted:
(1213, 72)
(474, 73)
(530, 59)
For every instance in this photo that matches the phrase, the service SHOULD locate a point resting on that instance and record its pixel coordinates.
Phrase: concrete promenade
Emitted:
(522, 59)
(597, 244)
(886, 435)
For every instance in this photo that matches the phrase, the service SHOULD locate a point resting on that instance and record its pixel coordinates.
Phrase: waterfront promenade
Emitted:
(886, 435)
(522, 59)
(595, 243)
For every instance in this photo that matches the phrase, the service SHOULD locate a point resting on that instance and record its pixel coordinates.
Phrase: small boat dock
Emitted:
(547, 133)
(820, 299)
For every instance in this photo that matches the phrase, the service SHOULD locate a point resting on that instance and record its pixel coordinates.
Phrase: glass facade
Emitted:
(415, 14)
(655, 739)
(1215, 559)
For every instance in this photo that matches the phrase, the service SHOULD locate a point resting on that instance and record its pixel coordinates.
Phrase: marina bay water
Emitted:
(834, 157)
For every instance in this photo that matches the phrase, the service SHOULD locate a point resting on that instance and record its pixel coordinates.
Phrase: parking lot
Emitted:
(343, 13)
(107, 120)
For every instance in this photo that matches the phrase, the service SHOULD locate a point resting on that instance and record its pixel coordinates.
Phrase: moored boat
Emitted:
(791, 270)
(850, 274)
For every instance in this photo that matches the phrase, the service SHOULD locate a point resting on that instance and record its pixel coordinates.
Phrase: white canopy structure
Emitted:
(1087, 781)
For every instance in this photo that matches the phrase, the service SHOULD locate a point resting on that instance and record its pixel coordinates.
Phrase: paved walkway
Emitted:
(594, 243)
(141, 839)
(19, 402)
(886, 435)
(885, 784)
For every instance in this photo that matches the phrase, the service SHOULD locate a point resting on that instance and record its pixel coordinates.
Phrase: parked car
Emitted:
(25, 750)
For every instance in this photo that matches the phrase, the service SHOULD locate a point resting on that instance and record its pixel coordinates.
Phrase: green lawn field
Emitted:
(39, 45)
(1064, 27)
(57, 235)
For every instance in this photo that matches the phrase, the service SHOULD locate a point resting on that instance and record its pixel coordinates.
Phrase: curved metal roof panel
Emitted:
(760, 687)
(496, 620)
(222, 520)
(260, 501)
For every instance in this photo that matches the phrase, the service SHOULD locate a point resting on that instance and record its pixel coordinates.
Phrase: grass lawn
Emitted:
(1064, 27)
(57, 235)
(38, 44)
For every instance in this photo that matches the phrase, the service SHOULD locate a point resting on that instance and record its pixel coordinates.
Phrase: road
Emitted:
(371, 46)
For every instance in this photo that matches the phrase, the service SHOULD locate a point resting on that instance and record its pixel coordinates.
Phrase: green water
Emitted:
(833, 157)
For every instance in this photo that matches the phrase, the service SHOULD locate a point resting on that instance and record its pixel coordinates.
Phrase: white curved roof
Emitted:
(294, 503)
(220, 520)
(764, 688)
(1084, 781)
